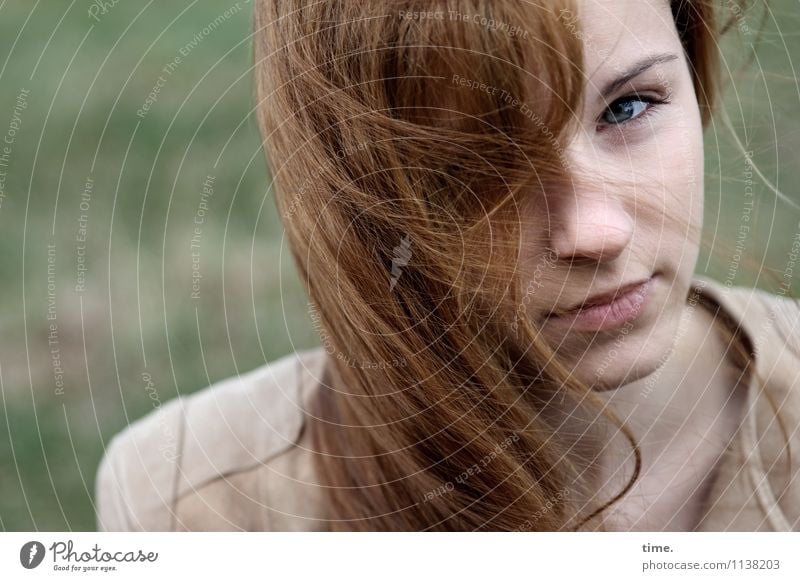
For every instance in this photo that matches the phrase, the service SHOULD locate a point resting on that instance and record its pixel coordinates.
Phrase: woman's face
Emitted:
(640, 218)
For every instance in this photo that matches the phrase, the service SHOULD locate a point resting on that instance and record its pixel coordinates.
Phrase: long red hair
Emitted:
(386, 164)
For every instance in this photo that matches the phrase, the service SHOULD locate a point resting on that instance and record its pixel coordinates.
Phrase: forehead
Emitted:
(618, 32)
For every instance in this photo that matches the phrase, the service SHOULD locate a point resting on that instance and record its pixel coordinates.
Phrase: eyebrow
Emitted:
(637, 69)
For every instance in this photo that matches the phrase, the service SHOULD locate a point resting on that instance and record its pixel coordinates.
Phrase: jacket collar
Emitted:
(741, 496)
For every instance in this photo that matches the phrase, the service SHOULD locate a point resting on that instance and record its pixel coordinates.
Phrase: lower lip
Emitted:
(623, 309)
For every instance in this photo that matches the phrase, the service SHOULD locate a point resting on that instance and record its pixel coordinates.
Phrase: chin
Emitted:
(622, 375)
(625, 358)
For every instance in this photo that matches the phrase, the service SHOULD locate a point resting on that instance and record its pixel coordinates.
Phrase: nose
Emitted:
(590, 226)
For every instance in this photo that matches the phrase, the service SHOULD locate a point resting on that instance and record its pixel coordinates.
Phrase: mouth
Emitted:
(606, 310)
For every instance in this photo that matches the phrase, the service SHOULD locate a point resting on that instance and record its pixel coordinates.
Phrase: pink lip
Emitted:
(626, 307)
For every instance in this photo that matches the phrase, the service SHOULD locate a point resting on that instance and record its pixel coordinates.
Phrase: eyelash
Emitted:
(653, 104)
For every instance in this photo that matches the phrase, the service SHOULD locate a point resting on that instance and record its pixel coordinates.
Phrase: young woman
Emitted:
(496, 209)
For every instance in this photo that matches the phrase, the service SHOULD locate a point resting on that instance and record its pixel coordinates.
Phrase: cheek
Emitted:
(680, 167)
(677, 162)
(686, 153)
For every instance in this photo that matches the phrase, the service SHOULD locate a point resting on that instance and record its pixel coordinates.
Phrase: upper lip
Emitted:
(601, 298)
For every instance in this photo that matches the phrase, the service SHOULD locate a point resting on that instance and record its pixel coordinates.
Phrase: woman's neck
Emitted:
(682, 418)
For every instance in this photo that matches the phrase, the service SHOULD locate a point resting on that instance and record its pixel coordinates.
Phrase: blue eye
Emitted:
(627, 109)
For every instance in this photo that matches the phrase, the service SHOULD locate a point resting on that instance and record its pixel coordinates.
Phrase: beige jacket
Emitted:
(235, 456)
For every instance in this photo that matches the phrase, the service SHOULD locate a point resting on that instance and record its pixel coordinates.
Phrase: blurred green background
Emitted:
(72, 357)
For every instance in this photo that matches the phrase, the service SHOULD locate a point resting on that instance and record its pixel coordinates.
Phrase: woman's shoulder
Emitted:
(767, 467)
(771, 320)
(217, 459)
(771, 323)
